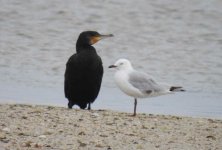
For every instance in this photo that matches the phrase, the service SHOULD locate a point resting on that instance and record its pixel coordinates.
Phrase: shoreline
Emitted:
(13, 102)
(206, 105)
(24, 126)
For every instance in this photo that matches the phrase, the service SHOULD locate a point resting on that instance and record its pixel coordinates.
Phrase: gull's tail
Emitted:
(176, 89)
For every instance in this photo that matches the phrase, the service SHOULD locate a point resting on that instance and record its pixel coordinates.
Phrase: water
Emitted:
(178, 42)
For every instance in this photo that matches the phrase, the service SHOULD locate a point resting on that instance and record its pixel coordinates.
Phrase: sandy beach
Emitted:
(57, 128)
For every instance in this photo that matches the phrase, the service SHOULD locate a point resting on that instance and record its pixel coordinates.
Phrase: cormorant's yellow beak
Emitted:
(96, 38)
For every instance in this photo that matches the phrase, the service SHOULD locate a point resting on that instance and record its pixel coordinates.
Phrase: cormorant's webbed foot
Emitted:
(70, 105)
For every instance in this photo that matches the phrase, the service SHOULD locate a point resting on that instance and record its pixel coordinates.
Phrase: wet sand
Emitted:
(48, 127)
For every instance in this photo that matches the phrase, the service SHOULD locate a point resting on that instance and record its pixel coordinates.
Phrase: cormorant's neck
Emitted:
(81, 48)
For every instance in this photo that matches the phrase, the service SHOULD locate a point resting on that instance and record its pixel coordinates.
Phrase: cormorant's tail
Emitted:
(176, 89)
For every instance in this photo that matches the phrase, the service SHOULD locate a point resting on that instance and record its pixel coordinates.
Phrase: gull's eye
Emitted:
(121, 63)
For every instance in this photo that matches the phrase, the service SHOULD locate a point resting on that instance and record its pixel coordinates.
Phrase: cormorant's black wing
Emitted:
(71, 66)
(83, 77)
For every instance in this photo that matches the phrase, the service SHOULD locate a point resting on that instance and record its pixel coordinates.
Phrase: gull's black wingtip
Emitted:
(177, 89)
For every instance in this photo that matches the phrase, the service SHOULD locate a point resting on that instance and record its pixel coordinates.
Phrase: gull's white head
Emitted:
(122, 64)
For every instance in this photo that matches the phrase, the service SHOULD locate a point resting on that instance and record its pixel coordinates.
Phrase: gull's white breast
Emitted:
(121, 79)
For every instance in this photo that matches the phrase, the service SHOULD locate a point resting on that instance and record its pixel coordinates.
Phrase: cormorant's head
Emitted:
(90, 37)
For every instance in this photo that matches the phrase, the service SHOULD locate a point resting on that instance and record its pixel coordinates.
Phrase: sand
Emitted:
(58, 128)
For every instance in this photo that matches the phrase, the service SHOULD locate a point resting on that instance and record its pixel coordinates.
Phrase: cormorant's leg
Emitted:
(89, 106)
(70, 105)
(135, 104)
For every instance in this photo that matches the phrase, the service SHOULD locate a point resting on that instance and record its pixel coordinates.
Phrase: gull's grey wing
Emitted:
(144, 82)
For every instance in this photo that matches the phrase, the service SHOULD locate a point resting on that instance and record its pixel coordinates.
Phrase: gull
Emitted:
(138, 84)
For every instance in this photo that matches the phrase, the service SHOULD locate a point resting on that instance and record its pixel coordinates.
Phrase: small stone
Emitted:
(24, 117)
(103, 135)
(109, 148)
(136, 123)
(5, 140)
(6, 129)
(115, 118)
(95, 115)
(81, 144)
(135, 142)
(48, 132)
(82, 133)
(27, 144)
(171, 142)
(47, 145)
(42, 136)
(36, 145)
(110, 123)
(144, 127)
(139, 147)
(21, 134)
(211, 137)
(99, 146)
(2, 135)
(50, 107)
(101, 110)
(75, 125)
(131, 134)
(176, 117)
(211, 121)
(125, 124)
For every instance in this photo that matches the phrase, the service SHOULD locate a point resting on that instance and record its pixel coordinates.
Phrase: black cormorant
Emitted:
(84, 71)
